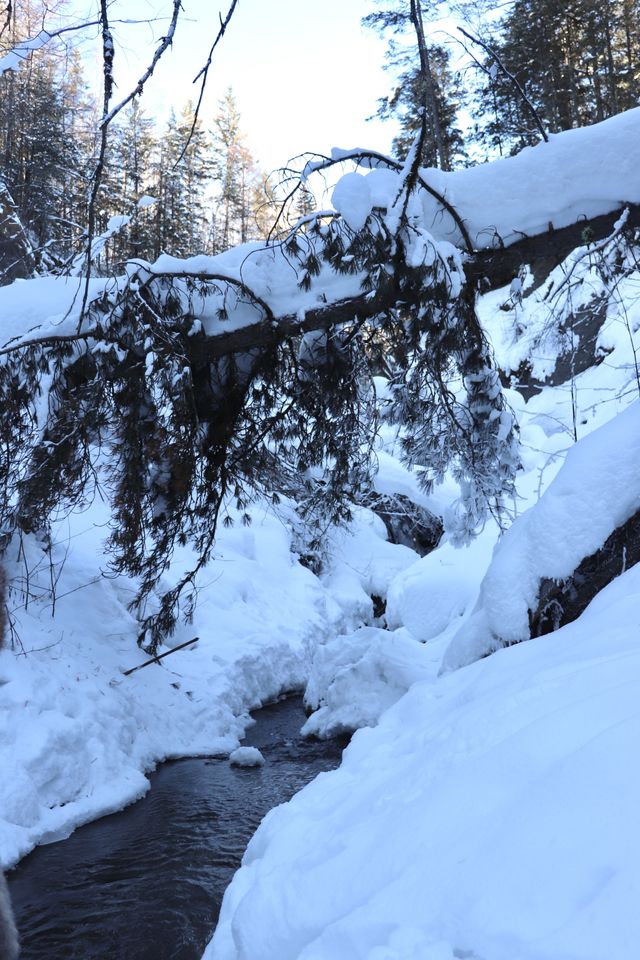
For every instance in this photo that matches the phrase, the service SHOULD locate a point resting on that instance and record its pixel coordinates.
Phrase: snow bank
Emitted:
(439, 588)
(491, 815)
(355, 678)
(77, 736)
(595, 491)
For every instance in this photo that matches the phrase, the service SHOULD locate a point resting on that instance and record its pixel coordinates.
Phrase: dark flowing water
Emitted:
(146, 883)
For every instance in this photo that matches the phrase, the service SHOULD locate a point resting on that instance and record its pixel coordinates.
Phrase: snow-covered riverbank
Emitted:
(77, 736)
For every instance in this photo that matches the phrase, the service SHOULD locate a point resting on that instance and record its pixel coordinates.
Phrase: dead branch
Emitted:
(160, 656)
(204, 73)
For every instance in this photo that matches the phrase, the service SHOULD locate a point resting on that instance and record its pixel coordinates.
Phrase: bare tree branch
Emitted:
(204, 73)
(512, 79)
(165, 42)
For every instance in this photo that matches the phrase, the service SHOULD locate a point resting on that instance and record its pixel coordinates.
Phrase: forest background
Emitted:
(192, 185)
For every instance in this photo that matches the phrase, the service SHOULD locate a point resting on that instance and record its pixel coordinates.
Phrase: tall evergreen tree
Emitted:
(44, 137)
(423, 81)
(128, 179)
(182, 175)
(579, 62)
(235, 175)
(405, 102)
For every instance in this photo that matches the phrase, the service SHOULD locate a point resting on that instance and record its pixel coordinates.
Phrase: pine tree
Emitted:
(578, 63)
(235, 175)
(265, 206)
(423, 82)
(180, 182)
(405, 102)
(128, 179)
(45, 142)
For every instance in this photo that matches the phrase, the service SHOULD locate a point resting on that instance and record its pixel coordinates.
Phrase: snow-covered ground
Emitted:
(486, 812)
(491, 815)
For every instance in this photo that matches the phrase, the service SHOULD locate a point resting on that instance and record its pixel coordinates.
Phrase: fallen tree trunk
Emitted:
(491, 269)
(484, 270)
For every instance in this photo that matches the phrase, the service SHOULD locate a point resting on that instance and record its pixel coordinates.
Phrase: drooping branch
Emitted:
(209, 392)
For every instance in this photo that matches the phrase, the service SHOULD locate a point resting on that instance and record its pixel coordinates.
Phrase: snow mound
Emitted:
(355, 678)
(361, 563)
(352, 198)
(246, 757)
(595, 491)
(438, 588)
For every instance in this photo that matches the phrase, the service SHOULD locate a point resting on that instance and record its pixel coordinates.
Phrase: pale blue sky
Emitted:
(306, 75)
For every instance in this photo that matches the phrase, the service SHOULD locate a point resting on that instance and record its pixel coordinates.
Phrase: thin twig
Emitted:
(204, 72)
(512, 79)
(160, 656)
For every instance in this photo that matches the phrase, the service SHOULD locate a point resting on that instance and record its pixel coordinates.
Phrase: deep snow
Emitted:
(487, 813)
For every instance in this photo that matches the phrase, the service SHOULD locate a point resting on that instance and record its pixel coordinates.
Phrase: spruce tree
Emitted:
(235, 177)
(44, 141)
(578, 63)
(423, 81)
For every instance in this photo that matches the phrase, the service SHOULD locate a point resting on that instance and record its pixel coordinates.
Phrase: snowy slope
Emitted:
(77, 735)
(491, 815)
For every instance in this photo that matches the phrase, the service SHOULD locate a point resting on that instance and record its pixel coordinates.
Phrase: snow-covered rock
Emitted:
(246, 757)
(355, 678)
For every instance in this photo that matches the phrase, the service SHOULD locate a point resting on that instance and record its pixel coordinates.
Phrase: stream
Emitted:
(147, 883)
